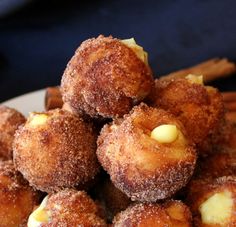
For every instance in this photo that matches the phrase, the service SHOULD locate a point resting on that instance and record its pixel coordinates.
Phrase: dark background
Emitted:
(37, 40)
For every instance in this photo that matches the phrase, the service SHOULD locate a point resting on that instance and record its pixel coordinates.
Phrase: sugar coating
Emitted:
(200, 108)
(171, 213)
(202, 189)
(10, 120)
(105, 78)
(138, 165)
(72, 208)
(57, 154)
(17, 198)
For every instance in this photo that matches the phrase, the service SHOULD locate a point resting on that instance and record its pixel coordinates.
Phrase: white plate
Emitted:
(33, 101)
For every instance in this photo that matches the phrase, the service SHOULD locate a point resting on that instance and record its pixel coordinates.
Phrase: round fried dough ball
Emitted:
(56, 150)
(147, 154)
(171, 214)
(17, 198)
(213, 201)
(10, 120)
(66, 208)
(200, 108)
(106, 77)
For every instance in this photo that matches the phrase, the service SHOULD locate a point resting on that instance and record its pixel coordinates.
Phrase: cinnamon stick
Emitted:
(229, 96)
(231, 116)
(211, 69)
(229, 99)
(53, 98)
(230, 106)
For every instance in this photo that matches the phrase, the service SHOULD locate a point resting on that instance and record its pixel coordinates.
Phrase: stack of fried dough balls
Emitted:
(151, 147)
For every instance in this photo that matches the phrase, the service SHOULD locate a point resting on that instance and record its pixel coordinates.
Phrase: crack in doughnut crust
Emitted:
(55, 150)
(105, 78)
(207, 196)
(140, 166)
(172, 214)
(70, 208)
(10, 120)
(17, 198)
(200, 108)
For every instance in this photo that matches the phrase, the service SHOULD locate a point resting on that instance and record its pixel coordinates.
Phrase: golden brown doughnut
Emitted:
(105, 78)
(213, 201)
(17, 198)
(172, 214)
(198, 107)
(140, 166)
(10, 120)
(56, 150)
(67, 208)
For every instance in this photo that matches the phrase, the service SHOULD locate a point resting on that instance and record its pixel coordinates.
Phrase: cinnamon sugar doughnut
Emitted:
(140, 166)
(106, 77)
(213, 201)
(67, 208)
(198, 107)
(17, 198)
(172, 214)
(56, 150)
(10, 120)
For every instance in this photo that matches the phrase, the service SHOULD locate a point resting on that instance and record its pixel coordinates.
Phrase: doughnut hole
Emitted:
(17, 198)
(10, 120)
(66, 208)
(56, 150)
(140, 166)
(106, 78)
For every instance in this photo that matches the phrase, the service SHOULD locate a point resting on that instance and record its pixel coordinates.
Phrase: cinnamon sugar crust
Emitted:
(72, 208)
(10, 120)
(172, 213)
(58, 154)
(17, 198)
(138, 165)
(198, 107)
(105, 78)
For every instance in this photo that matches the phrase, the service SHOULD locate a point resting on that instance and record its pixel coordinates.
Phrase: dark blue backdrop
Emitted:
(37, 41)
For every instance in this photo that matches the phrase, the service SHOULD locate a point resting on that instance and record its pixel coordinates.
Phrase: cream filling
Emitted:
(39, 216)
(166, 133)
(139, 51)
(217, 209)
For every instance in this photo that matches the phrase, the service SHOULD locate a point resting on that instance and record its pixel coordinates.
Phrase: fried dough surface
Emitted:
(213, 201)
(56, 150)
(10, 120)
(17, 198)
(172, 214)
(200, 108)
(140, 166)
(105, 78)
(67, 208)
